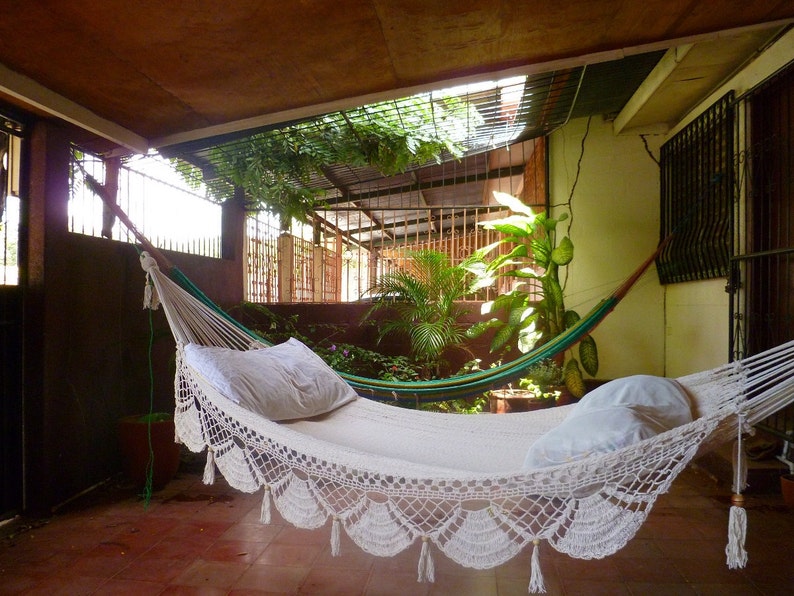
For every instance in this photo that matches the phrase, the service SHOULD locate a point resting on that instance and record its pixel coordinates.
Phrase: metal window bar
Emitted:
(262, 283)
(368, 250)
(172, 217)
(697, 197)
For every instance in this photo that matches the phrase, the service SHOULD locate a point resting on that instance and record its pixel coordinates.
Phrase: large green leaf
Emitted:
(573, 378)
(501, 337)
(541, 252)
(517, 315)
(552, 292)
(528, 337)
(588, 354)
(513, 203)
(563, 252)
(481, 327)
(570, 318)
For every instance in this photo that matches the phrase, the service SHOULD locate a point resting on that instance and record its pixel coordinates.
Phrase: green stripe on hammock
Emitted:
(480, 381)
(460, 386)
(469, 384)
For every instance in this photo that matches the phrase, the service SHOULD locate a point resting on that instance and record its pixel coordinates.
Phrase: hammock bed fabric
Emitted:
(390, 476)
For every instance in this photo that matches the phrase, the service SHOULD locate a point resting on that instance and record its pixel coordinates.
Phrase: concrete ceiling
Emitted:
(685, 76)
(152, 74)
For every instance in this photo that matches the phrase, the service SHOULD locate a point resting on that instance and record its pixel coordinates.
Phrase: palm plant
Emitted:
(424, 297)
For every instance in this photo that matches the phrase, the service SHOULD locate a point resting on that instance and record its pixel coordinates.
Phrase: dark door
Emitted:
(770, 216)
(10, 327)
(10, 402)
(762, 267)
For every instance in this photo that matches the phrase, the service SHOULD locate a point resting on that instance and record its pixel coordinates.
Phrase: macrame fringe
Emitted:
(150, 298)
(264, 513)
(335, 538)
(427, 571)
(209, 468)
(536, 583)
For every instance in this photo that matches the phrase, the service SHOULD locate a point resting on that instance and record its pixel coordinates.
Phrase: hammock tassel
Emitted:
(150, 298)
(737, 531)
(335, 538)
(536, 583)
(209, 468)
(427, 571)
(264, 514)
(737, 519)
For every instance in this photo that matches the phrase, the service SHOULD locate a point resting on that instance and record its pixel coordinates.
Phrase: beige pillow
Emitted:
(611, 417)
(283, 382)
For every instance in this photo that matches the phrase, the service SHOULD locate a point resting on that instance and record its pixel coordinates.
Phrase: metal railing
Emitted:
(170, 215)
(342, 266)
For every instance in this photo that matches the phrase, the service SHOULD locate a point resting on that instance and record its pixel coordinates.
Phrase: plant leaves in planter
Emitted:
(588, 354)
(573, 378)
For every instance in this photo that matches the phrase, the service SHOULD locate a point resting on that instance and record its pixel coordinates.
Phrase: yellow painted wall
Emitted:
(698, 314)
(615, 226)
(673, 330)
(697, 326)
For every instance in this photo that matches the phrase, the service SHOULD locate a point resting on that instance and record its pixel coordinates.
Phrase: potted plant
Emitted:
(541, 387)
(529, 257)
(148, 447)
(527, 397)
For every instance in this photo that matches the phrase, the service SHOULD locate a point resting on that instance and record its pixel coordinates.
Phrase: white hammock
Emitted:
(390, 476)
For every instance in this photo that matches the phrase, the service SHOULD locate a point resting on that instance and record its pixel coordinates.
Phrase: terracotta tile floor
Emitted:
(207, 540)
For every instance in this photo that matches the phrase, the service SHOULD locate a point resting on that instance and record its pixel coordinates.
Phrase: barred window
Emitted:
(696, 197)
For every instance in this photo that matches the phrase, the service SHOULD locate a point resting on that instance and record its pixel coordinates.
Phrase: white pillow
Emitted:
(283, 382)
(613, 416)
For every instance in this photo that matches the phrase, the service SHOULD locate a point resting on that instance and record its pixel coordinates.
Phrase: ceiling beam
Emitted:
(32, 93)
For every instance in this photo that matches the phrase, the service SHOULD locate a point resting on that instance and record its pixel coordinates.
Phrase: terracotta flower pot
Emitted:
(134, 444)
(504, 401)
(787, 488)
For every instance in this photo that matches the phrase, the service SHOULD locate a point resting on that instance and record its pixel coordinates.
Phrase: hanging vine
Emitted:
(275, 168)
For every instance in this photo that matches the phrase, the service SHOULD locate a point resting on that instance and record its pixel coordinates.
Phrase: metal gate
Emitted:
(762, 266)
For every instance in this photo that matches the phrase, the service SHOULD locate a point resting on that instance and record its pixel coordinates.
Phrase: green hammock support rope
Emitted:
(460, 386)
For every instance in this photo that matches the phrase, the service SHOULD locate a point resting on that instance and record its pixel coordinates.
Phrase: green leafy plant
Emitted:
(530, 256)
(341, 356)
(546, 373)
(528, 385)
(423, 298)
(275, 167)
(462, 405)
